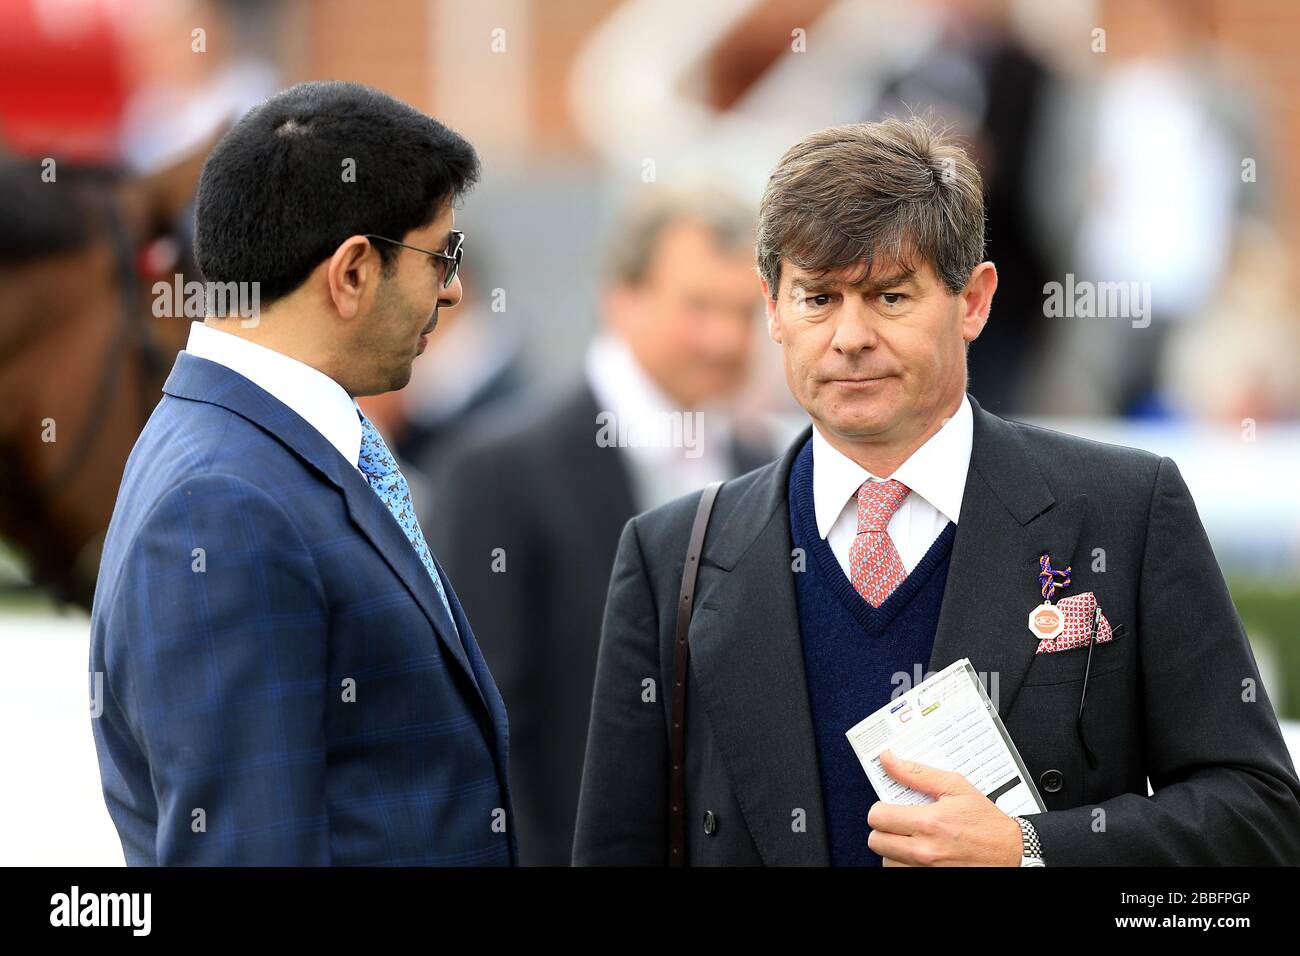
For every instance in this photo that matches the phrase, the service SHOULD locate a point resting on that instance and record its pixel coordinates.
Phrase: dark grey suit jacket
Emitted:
(1169, 699)
(537, 485)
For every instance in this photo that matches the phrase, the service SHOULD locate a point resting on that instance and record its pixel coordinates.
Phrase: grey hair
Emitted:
(632, 243)
(897, 190)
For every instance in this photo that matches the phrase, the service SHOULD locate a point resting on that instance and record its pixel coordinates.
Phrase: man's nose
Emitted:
(855, 330)
(449, 296)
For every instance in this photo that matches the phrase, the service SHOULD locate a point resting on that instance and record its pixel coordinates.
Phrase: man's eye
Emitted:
(818, 301)
(892, 298)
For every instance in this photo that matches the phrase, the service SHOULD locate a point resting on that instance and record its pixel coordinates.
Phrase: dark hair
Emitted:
(896, 189)
(273, 201)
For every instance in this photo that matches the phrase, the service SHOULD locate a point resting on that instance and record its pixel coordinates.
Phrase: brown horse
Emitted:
(82, 357)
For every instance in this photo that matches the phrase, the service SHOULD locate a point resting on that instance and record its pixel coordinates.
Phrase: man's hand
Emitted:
(961, 828)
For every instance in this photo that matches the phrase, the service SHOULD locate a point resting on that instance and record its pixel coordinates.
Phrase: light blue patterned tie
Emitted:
(380, 468)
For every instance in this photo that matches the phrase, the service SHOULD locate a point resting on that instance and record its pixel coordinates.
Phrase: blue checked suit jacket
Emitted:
(280, 681)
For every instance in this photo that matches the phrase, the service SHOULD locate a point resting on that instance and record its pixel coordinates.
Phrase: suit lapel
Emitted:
(1009, 518)
(374, 519)
(746, 660)
(200, 380)
(746, 655)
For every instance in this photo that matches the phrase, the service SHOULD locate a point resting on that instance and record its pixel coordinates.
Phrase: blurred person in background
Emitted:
(530, 513)
(978, 75)
(1142, 183)
(1249, 334)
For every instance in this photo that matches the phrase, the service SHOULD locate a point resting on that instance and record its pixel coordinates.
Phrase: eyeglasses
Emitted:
(451, 258)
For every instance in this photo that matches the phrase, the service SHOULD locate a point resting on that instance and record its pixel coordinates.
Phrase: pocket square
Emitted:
(1076, 611)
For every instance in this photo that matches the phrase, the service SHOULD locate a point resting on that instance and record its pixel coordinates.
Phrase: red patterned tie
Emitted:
(877, 568)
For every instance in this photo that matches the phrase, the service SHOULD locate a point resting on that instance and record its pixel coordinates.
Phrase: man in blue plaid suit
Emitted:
(287, 676)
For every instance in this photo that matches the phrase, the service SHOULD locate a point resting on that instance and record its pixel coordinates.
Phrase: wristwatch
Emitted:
(1031, 853)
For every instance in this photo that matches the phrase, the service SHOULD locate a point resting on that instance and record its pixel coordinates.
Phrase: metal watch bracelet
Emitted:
(1031, 853)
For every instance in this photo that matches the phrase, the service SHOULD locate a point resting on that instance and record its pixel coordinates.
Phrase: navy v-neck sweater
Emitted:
(855, 657)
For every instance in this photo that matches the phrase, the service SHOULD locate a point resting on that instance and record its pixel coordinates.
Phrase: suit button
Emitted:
(710, 823)
(1051, 780)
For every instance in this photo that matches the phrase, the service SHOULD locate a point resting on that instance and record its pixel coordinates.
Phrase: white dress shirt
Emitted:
(313, 395)
(935, 473)
(660, 472)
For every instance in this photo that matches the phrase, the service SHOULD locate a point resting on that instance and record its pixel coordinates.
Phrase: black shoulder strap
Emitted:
(685, 605)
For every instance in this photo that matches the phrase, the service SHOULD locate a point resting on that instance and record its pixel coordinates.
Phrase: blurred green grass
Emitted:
(1270, 610)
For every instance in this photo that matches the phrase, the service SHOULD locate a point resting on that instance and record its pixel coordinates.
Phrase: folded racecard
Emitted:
(947, 722)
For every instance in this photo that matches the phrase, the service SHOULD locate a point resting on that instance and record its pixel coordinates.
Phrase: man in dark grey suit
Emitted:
(816, 599)
(527, 515)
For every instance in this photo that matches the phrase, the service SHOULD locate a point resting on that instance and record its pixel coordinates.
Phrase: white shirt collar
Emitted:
(622, 387)
(936, 471)
(313, 395)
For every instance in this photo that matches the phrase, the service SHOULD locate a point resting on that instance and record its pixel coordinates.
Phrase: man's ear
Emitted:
(352, 271)
(769, 307)
(977, 300)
